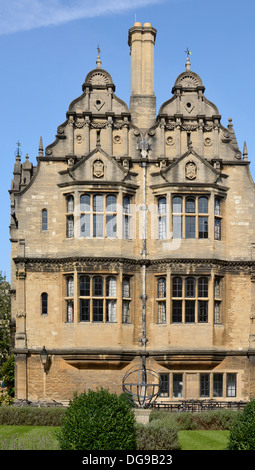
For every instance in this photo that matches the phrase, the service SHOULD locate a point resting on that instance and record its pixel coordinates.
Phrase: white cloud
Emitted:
(21, 15)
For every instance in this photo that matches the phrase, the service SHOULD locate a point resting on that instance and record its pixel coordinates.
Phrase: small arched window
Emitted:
(44, 220)
(44, 303)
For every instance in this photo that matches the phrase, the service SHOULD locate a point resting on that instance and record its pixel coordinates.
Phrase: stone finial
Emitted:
(98, 62)
(41, 147)
(245, 153)
(187, 60)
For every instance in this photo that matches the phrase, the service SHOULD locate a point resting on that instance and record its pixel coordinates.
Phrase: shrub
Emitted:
(98, 420)
(242, 433)
(214, 419)
(27, 415)
(157, 435)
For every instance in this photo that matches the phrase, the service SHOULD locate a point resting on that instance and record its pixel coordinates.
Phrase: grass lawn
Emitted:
(28, 438)
(203, 440)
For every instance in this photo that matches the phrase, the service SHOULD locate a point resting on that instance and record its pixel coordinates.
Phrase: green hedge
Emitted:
(155, 436)
(207, 420)
(34, 416)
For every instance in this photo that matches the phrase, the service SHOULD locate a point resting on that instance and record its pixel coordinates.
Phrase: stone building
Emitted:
(135, 235)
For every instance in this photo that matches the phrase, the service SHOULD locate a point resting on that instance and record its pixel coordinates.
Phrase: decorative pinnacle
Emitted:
(98, 62)
(245, 152)
(40, 148)
(188, 52)
(18, 153)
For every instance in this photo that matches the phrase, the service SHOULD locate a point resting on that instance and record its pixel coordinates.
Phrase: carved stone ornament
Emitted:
(191, 171)
(170, 140)
(208, 141)
(98, 169)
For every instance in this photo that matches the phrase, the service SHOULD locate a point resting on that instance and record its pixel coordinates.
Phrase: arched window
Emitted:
(44, 303)
(44, 220)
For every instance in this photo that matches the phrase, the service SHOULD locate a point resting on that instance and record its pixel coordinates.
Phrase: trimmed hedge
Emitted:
(208, 420)
(34, 416)
(155, 436)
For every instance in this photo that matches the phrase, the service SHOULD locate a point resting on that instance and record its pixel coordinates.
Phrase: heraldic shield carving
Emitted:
(191, 171)
(98, 169)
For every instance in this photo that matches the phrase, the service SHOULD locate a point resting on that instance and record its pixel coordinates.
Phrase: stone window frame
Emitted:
(93, 214)
(44, 220)
(161, 303)
(191, 303)
(193, 213)
(44, 303)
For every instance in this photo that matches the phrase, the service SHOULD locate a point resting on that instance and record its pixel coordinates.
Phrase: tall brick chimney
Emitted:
(141, 40)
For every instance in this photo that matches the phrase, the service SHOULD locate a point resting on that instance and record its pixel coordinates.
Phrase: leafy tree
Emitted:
(5, 317)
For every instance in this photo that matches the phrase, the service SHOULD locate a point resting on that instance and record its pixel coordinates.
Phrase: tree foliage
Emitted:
(5, 317)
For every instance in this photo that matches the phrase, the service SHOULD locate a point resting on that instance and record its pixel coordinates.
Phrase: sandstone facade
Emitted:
(134, 235)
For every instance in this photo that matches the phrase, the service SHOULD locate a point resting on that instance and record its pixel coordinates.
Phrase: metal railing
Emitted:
(199, 405)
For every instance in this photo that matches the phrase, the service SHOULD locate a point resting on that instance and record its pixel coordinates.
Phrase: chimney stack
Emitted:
(141, 40)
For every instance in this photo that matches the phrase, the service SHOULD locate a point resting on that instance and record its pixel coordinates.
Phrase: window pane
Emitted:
(217, 385)
(217, 228)
(70, 286)
(177, 287)
(111, 311)
(177, 226)
(190, 227)
(98, 225)
(111, 203)
(177, 385)
(84, 310)
(203, 205)
(190, 205)
(111, 226)
(98, 286)
(69, 311)
(162, 312)
(69, 226)
(217, 206)
(126, 205)
(98, 203)
(162, 287)
(203, 227)
(162, 205)
(164, 389)
(217, 293)
(203, 287)
(85, 225)
(126, 287)
(85, 203)
(44, 220)
(69, 203)
(231, 385)
(189, 311)
(177, 205)
(177, 311)
(202, 311)
(217, 315)
(44, 301)
(162, 228)
(111, 287)
(85, 286)
(126, 227)
(126, 311)
(97, 310)
(204, 385)
(190, 287)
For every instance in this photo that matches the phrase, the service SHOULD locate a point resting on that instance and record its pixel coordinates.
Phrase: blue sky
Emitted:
(47, 47)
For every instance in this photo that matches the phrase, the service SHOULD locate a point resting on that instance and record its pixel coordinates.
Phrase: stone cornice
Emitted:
(78, 263)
